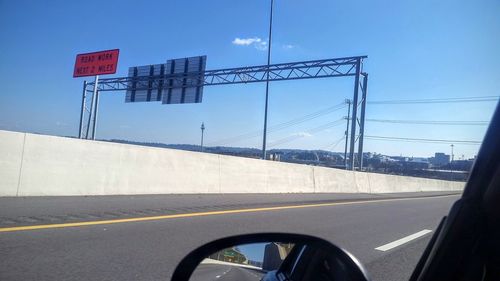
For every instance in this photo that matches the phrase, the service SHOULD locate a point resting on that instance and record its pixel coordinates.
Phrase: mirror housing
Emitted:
(351, 268)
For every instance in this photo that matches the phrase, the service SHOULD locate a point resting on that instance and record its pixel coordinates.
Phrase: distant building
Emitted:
(417, 163)
(274, 157)
(230, 255)
(400, 158)
(462, 165)
(440, 159)
(255, 263)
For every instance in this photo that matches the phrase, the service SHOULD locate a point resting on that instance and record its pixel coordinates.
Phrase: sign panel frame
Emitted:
(142, 89)
(188, 87)
(178, 81)
(96, 63)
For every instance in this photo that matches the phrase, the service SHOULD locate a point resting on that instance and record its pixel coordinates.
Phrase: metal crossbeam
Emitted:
(337, 67)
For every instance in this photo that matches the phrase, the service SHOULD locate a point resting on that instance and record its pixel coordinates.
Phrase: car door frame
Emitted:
(458, 238)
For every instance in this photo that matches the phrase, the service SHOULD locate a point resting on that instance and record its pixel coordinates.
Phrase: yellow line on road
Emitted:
(200, 214)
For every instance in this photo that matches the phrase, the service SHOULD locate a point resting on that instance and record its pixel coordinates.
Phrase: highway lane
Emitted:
(210, 272)
(40, 210)
(215, 272)
(150, 250)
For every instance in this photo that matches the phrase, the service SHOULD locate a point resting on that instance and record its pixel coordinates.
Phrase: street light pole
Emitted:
(267, 82)
(202, 132)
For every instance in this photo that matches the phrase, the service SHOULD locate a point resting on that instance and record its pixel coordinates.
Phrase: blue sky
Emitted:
(254, 252)
(416, 49)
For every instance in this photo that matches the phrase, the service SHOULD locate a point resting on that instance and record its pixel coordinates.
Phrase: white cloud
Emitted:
(246, 41)
(303, 134)
(256, 42)
(261, 46)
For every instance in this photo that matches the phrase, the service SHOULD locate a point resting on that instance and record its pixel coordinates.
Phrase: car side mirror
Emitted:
(269, 257)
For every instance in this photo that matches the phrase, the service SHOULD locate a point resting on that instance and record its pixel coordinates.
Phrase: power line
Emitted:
(311, 131)
(333, 145)
(422, 140)
(308, 117)
(283, 125)
(431, 122)
(441, 100)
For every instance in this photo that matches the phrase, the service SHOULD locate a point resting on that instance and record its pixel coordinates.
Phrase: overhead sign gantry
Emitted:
(182, 81)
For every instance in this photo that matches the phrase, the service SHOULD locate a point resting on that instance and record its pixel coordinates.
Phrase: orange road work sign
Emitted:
(97, 63)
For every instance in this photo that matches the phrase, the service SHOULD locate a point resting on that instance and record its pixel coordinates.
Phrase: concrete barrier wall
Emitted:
(39, 165)
(11, 155)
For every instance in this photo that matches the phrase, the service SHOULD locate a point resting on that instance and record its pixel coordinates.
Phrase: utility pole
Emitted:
(451, 163)
(202, 132)
(267, 82)
(348, 101)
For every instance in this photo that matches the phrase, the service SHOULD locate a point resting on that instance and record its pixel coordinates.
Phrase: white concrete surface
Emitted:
(39, 165)
(327, 179)
(11, 155)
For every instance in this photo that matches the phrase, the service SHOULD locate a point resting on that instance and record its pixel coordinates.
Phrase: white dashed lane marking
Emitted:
(403, 240)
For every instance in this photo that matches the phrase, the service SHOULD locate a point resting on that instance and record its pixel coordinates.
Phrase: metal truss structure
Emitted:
(336, 67)
(277, 72)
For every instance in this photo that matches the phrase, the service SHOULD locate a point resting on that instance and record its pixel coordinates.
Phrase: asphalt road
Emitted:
(150, 250)
(213, 272)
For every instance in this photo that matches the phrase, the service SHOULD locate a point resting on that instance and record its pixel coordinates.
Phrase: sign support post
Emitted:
(95, 102)
(93, 64)
(89, 119)
(362, 122)
(82, 113)
(354, 115)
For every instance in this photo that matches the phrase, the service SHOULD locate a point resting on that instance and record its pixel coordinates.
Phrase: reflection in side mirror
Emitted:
(242, 262)
(269, 257)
